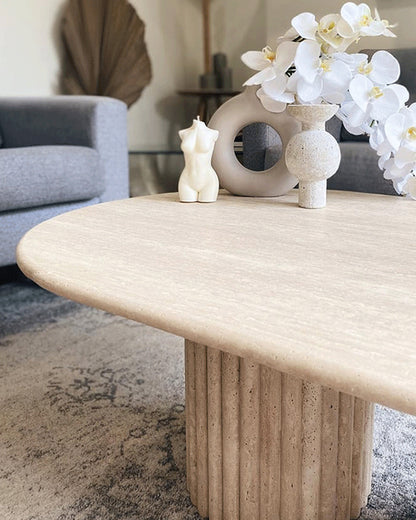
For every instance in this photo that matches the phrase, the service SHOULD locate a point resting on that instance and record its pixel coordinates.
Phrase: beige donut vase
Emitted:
(229, 119)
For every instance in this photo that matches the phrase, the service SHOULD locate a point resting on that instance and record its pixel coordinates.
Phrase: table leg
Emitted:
(262, 445)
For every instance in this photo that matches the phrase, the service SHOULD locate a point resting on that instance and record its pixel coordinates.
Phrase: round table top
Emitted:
(326, 295)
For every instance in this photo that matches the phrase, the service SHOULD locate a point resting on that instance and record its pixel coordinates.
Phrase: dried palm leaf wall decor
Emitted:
(104, 50)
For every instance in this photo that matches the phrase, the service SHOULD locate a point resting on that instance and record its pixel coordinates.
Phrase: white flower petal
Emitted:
(352, 60)
(327, 30)
(344, 29)
(360, 88)
(336, 82)
(384, 106)
(401, 92)
(382, 161)
(264, 75)
(343, 45)
(384, 148)
(350, 14)
(255, 60)
(374, 140)
(287, 97)
(404, 156)
(310, 91)
(306, 25)
(400, 184)
(270, 104)
(394, 128)
(392, 172)
(364, 10)
(374, 29)
(285, 55)
(353, 115)
(386, 69)
(276, 86)
(307, 60)
(292, 83)
(389, 33)
(290, 34)
(411, 187)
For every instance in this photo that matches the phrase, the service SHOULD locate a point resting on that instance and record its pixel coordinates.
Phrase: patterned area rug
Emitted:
(92, 422)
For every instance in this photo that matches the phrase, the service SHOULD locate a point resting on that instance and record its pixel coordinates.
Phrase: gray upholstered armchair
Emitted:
(359, 169)
(58, 153)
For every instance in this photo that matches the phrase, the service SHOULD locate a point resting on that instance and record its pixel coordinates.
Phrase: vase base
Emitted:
(312, 195)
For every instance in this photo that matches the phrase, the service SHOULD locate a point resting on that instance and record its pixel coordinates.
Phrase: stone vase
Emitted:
(313, 155)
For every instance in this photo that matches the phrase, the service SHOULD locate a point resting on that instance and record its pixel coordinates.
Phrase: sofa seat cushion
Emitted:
(41, 175)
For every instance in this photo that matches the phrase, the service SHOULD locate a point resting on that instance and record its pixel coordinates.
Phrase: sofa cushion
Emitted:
(40, 175)
(359, 171)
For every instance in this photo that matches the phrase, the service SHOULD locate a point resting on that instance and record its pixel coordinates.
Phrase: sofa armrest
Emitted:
(96, 122)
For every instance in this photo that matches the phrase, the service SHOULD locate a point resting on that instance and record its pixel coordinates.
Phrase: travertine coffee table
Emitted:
(296, 320)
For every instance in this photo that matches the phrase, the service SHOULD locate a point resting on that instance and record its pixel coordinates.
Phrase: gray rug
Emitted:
(92, 422)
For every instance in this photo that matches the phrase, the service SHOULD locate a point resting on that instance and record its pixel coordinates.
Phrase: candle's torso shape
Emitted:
(198, 181)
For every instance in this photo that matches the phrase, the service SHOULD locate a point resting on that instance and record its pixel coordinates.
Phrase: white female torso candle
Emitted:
(198, 181)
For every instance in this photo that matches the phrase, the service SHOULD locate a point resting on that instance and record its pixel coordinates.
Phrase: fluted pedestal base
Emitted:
(262, 445)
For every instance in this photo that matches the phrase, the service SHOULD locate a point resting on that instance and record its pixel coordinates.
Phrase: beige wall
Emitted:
(29, 50)
(404, 14)
(174, 36)
(236, 27)
(29, 63)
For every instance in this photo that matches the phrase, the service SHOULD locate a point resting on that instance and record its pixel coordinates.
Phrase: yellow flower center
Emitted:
(365, 21)
(411, 133)
(325, 65)
(376, 92)
(269, 54)
(365, 68)
(328, 28)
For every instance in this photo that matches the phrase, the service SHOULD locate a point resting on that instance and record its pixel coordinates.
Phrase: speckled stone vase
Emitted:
(313, 155)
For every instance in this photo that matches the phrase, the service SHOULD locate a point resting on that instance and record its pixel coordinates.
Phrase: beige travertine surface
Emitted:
(292, 463)
(327, 296)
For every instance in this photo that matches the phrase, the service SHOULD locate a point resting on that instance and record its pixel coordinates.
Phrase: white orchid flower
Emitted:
(324, 32)
(400, 131)
(379, 142)
(269, 64)
(305, 25)
(400, 184)
(263, 62)
(272, 76)
(318, 76)
(357, 20)
(353, 119)
(274, 95)
(393, 172)
(383, 69)
(375, 102)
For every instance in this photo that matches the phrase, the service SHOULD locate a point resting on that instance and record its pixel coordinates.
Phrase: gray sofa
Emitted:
(57, 154)
(359, 169)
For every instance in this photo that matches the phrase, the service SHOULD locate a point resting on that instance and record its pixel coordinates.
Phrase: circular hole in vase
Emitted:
(258, 147)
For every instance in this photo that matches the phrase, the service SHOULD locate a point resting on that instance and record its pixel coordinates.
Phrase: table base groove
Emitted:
(263, 445)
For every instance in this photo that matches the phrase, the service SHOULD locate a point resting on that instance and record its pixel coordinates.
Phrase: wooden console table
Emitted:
(296, 321)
